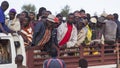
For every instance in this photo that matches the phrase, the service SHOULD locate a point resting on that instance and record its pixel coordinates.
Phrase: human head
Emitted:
(60, 17)
(4, 5)
(77, 16)
(53, 52)
(70, 18)
(49, 12)
(110, 17)
(51, 20)
(100, 22)
(12, 14)
(19, 59)
(41, 10)
(45, 14)
(80, 24)
(26, 21)
(82, 13)
(88, 17)
(93, 20)
(32, 15)
(83, 63)
(24, 14)
(116, 16)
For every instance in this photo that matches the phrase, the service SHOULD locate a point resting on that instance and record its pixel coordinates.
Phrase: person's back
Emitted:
(110, 30)
(54, 62)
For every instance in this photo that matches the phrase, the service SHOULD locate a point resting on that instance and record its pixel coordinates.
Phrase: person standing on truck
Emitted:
(44, 34)
(67, 33)
(3, 28)
(18, 61)
(54, 62)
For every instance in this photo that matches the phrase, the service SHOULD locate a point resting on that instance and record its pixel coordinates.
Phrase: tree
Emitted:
(65, 11)
(29, 8)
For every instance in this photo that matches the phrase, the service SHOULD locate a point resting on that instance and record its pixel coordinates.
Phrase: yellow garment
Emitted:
(86, 49)
(95, 52)
(89, 36)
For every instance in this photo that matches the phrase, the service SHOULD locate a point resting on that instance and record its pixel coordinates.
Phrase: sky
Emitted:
(55, 6)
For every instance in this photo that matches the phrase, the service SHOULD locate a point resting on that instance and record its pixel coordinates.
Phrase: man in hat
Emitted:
(44, 34)
(13, 23)
(3, 8)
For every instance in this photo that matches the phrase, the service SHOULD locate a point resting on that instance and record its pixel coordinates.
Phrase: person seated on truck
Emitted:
(3, 28)
(44, 34)
(54, 62)
(26, 31)
(13, 23)
(83, 63)
(19, 60)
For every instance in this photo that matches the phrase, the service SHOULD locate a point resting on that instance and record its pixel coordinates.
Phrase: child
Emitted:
(18, 61)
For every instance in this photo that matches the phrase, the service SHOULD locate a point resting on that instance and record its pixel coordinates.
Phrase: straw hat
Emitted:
(52, 18)
(93, 20)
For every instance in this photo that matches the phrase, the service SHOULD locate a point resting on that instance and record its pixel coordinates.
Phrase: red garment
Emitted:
(67, 35)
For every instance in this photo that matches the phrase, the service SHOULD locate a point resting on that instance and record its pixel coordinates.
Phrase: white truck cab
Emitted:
(10, 46)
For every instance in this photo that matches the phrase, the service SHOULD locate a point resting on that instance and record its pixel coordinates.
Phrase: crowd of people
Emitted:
(49, 31)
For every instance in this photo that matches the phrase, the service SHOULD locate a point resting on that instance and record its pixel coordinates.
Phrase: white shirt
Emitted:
(61, 31)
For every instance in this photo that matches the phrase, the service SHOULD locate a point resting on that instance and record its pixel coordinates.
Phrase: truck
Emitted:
(13, 44)
(10, 46)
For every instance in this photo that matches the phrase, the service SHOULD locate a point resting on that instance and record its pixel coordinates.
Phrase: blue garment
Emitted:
(38, 34)
(118, 29)
(54, 63)
(2, 21)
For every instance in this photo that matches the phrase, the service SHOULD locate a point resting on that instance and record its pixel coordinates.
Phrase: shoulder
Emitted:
(62, 60)
(46, 61)
(63, 24)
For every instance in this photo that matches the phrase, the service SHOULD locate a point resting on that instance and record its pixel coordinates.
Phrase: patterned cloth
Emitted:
(27, 35)
(45, 38)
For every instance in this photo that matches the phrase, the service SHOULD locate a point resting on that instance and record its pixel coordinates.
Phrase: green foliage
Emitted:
(29, 8)
(65, 11)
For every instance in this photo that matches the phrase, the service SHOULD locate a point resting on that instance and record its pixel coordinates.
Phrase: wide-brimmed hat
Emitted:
(101, 19)
(93, 20)
(52, 18)
(104, 14)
